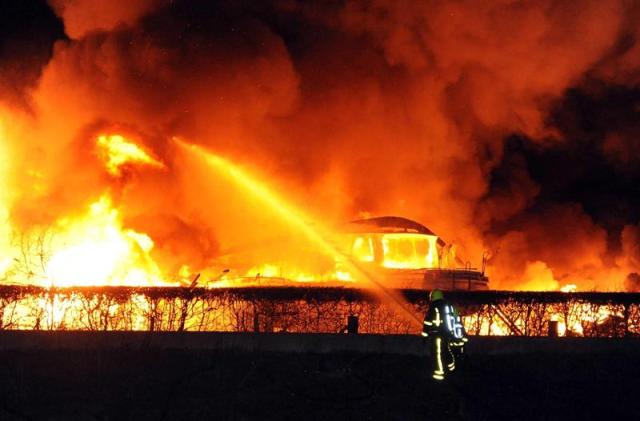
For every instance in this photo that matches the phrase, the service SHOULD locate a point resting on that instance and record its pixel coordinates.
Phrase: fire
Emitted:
(312, 231)
(99, 251)
(345, 132)
(317, 235)
(117, 151)
(96, 250)
(572, 320)
(294, 274)
(409, 251)
(538, 277)
(92, 248)
(5, 262)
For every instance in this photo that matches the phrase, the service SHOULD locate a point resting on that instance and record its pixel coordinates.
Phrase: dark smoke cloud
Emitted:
(27, 32)
(508, 126)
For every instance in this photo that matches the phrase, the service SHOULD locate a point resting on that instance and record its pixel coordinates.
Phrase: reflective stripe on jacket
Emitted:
(443, 319)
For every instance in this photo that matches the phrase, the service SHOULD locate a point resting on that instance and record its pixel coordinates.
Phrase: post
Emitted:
(352, 324)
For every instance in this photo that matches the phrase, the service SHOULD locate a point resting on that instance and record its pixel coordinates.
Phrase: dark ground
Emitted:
(180, 385)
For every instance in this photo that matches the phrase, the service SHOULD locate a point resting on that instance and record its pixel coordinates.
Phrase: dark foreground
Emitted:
(122, 383)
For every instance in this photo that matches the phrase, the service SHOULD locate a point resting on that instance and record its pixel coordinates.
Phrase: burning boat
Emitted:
(392, 251)
(408, 255)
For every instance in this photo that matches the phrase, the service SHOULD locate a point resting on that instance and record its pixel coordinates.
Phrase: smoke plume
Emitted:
(473, 119)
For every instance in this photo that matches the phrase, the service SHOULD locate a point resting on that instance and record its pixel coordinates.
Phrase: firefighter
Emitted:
(443, 327)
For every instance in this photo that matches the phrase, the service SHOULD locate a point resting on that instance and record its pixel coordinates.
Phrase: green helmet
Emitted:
(435, 295)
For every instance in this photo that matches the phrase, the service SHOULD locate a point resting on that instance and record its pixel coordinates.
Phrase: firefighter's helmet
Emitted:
(435, 295)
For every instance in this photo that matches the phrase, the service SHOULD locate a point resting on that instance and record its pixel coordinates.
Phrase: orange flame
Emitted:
(5, 228)
(97, 250)
(117, 151)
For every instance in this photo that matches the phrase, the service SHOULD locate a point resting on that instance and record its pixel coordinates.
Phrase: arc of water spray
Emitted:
(294, 217)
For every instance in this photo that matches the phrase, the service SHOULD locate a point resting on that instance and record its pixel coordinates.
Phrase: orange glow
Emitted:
(313, 230)
(96, 250)
(273, 274)
(117, 151)
(409, 251)
(97, 114)
(570, 323)
(251, 186)
(5, 228)
(362, 249)
(538, 277)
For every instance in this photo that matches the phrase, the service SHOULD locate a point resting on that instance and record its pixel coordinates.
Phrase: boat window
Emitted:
(407, 251)
(363, 249)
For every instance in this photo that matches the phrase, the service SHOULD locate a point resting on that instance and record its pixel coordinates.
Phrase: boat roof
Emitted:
(391, 224)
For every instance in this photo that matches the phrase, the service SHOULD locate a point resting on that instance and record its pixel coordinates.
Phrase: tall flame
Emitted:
(97, 250)
(94, 248)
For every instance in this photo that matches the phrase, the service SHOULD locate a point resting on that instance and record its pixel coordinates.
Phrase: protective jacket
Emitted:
(443, 319)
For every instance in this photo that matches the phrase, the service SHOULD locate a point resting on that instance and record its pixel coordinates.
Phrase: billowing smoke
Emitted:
(471, 118)
(27, 31)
